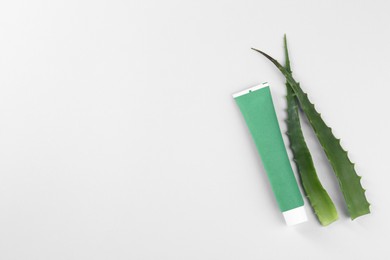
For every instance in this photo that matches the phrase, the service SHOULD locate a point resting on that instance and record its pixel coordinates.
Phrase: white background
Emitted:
(119, 138)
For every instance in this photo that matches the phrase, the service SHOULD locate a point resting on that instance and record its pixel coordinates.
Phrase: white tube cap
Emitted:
(295, 216)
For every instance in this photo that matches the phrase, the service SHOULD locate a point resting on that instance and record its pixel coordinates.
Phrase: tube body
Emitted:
(259, 113)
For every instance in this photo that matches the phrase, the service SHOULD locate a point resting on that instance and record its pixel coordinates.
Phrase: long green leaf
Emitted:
(344, 169)
(318, 197)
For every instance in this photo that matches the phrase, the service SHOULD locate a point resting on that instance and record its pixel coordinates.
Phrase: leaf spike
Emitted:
(287, 64)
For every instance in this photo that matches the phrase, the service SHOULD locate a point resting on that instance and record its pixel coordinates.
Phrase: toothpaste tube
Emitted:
(259, 113)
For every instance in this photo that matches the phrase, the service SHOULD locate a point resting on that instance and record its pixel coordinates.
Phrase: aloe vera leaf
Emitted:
(318, 197)
(344, 169)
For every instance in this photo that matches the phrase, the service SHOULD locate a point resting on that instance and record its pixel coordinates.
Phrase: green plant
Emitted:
(317, 195)
(344, 169)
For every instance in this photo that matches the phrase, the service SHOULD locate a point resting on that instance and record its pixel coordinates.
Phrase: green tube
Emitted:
(259, 113)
